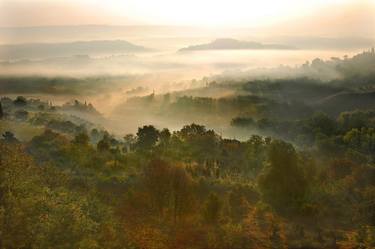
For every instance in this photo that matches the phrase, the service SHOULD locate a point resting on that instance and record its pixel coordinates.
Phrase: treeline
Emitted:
(350, 133)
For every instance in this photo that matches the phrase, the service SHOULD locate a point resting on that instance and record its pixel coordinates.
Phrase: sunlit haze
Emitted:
(242, 13)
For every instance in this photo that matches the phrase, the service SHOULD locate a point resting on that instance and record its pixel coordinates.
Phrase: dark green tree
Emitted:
(20, 101)
(147, 137)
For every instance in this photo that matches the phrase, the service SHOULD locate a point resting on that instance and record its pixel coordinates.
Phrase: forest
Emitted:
(300, 175)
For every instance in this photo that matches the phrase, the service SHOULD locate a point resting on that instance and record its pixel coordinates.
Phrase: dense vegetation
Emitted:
(303, 178)
(187, 189)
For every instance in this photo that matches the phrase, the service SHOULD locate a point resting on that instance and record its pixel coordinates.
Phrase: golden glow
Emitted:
(218, 13)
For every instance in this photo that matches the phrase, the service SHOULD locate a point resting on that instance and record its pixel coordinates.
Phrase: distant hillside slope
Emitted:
(347, 102)
(227, 44)
(41, 50)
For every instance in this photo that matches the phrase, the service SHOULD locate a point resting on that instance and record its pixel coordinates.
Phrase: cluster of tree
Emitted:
(189, 188)
(77, 106)
(352, 132)
(21, 109)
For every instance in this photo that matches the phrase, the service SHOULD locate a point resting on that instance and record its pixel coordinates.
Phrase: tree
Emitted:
(238, 205)
(212, 209)
(95, 136)
(340, 168)
(282, 181)
(1, 111)
(40, 210)
(165, 135)
(81, 139)
(200, 144)
(20, 101)
(104, 144)
(193, 130)
(147, 137)
(181, 191)
(157, 180)
(129, 141)
(321, 123)
(9, 137)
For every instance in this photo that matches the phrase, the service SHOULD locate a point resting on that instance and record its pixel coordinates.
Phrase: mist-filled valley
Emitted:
(161, 60)
(187, 126)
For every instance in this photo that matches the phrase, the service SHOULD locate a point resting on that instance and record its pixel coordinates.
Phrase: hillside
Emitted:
(42, 50)
(228, 44)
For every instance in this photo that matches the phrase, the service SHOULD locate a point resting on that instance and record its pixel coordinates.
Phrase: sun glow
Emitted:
(215, 13)
(212, 13)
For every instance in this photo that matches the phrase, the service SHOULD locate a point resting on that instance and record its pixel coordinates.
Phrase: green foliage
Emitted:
(190, 188)
(104, 144)
(147, 137)
(20, 101)
(81, 139)
(282, 182)
(36, 212)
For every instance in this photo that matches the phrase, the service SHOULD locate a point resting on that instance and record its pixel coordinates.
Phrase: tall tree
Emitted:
(147, 137)
(282, 181)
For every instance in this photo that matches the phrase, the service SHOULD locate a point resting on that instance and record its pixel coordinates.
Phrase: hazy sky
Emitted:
(246, 13)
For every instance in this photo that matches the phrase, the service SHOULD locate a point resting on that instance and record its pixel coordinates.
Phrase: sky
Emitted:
(212, 13)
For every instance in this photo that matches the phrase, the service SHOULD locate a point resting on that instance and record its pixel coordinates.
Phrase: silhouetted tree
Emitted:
(20, 101)
(165, 135)
(147, 137)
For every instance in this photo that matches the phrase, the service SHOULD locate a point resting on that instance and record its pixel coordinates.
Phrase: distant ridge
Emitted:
(229, 44)
(40, 50)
